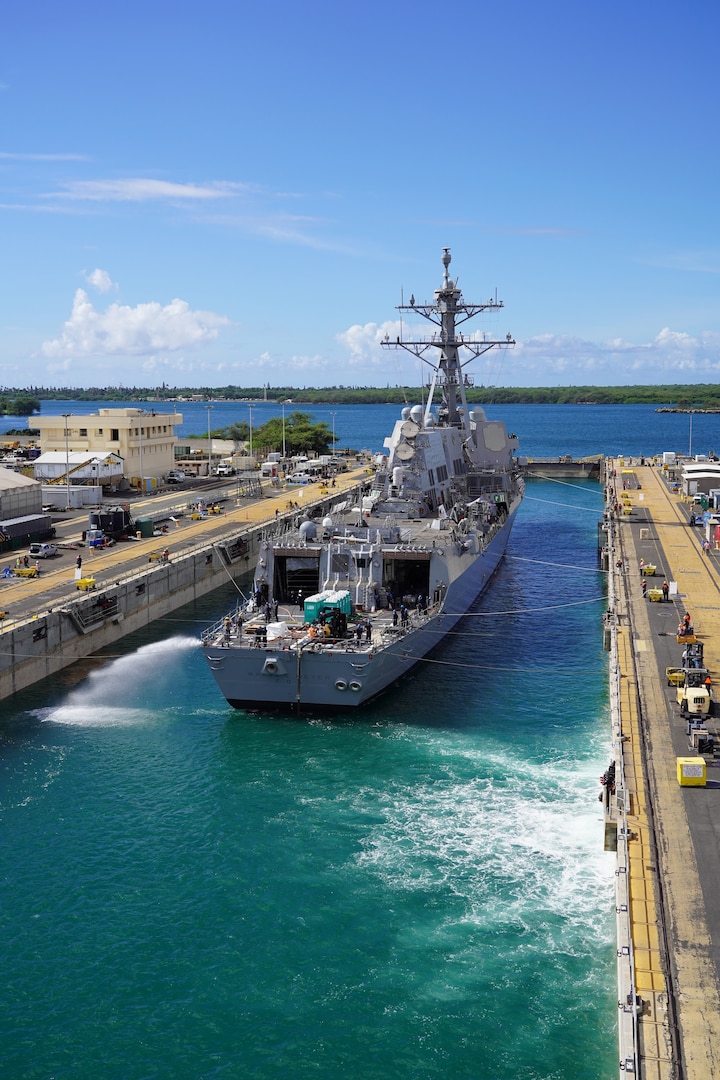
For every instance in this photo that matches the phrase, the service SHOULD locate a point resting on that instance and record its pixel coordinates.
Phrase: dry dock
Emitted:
(50, 622)
(668, 834)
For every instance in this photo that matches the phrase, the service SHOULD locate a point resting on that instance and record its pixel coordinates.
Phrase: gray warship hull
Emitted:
(286, 675)
(344, 607)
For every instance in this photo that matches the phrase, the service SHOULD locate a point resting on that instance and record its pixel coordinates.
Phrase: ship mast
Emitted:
(447, 313)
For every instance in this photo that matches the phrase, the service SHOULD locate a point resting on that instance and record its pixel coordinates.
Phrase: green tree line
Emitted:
(19, 403)
(670, 395)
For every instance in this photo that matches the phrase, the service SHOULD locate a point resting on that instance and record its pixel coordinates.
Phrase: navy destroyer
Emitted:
(345, 605)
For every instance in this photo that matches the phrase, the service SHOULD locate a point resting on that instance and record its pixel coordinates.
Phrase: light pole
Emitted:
(250, 409)
(209, 407)
(333, 425)
(283, 410)
(142, 478)
(66, 416)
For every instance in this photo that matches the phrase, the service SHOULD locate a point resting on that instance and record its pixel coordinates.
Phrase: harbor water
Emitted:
(419, 891)
(544, 430)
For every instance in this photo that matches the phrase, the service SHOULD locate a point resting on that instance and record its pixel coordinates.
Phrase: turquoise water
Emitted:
(416, 892)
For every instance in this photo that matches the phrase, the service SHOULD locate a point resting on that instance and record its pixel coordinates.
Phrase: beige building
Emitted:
(145, 440)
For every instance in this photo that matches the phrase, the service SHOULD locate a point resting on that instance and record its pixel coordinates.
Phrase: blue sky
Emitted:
(224, 192)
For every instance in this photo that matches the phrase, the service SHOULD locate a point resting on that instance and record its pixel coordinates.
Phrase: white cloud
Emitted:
(99, 279)
(127, 331)
(364, 342)
(142, 189)
(269, 368)
(300, 362)
(557, 359)
(671, 356)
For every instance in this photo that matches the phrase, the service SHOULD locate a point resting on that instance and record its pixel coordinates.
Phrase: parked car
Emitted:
(224, 469)
(175, 476)
(43, 551)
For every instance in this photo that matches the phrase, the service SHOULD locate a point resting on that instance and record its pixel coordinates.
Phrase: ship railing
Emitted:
(229, 631)
(225, 629)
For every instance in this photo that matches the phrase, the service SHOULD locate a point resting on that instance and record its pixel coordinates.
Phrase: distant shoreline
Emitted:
(665, 397)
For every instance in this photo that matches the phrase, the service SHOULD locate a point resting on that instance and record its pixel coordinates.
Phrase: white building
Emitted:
(698, 478)
(20, 495)
(55, 467)
(143, 440)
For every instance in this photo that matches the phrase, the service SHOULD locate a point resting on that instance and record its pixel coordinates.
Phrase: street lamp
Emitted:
(142, 477)
(283, 410)
(333, 425)
(66, 416)
(209, 407)
(250, 409)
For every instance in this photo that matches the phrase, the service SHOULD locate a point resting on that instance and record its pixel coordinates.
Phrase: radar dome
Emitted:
(308, 531)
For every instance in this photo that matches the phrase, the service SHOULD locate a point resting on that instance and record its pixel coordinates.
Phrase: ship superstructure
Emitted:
(344, 606)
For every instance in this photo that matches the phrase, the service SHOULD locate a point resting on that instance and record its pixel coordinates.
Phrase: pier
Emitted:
(665, 830)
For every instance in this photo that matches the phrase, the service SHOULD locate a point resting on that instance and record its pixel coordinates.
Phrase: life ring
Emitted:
(355, 685)
(340, 684)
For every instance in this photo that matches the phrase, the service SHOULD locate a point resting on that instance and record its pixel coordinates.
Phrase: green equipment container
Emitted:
(145, 527)
(329, 600)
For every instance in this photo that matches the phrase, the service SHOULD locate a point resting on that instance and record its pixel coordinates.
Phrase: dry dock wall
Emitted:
(50, 640)
(667, 833)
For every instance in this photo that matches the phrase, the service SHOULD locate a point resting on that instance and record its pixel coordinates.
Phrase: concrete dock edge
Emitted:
(668, 1000)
